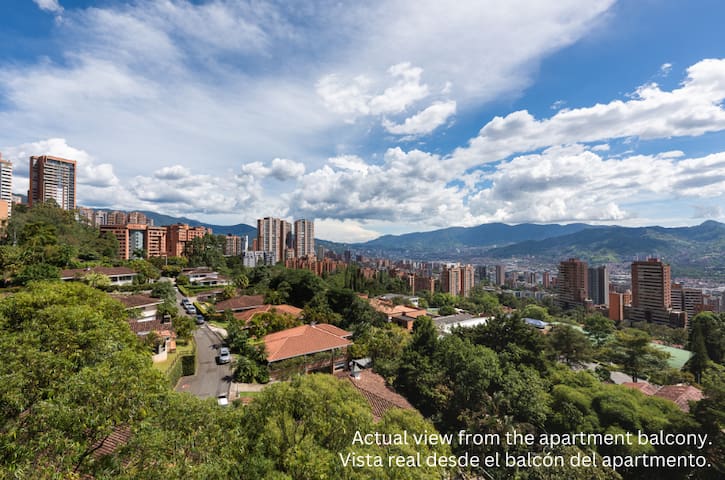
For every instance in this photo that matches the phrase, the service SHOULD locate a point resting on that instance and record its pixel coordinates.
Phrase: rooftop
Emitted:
(380, 397)
(304, 340)
(108, 271)
(240, 303)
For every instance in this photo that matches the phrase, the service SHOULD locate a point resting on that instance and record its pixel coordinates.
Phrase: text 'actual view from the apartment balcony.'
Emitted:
(362, 240)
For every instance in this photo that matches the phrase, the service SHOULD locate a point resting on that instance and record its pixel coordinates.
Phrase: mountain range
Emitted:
(697, 251)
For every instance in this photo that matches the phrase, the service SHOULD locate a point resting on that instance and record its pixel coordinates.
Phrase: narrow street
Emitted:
(210, 379)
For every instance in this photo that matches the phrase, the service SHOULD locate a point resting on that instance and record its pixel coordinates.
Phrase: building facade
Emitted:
(6, 186)
(274, 235)
(572, 283)
(457, 280)
(598, 285)
(652, 294)
(52, 178)
(304, 238)
(179, 235)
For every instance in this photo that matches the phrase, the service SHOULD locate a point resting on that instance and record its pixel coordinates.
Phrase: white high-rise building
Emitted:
(6, 185)
(304, 238)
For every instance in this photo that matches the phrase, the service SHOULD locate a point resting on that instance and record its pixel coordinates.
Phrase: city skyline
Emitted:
(227, 112)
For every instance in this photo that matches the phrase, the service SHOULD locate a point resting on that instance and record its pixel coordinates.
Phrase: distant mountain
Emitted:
(700, 248)
(239, 229)
(457, 240)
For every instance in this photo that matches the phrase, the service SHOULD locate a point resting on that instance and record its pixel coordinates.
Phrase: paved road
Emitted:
(210, 379)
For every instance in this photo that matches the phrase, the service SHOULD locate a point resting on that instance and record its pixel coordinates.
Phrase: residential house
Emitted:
(318, 347)
(117, 275)
(241, 303)
(372, 387)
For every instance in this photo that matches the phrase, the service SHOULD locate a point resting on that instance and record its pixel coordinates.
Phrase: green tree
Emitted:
(631, 348)
(712, 328)
(97, 280)
(599, 328)
(570, 344)
(537, 312)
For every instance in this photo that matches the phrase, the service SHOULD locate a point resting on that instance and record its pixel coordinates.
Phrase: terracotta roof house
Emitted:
(320, 347)
(391, 311)
(117, 275)
(372, 386)
(144, 318)
(247, 315)
(644, 387)
(681, 395)
(237, 304)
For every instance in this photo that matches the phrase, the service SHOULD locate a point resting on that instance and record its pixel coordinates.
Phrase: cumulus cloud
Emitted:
(425, 121)
(280, 169)
(355, 96)
(88, 172)
(692, 109)
(343, 231)
(49, 6)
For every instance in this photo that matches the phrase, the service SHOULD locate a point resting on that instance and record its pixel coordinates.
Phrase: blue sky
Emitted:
(374, 117)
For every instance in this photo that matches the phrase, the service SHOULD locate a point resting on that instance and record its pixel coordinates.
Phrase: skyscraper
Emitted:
(572, 283)
(500, 274)
(52, 178)
(598, 285)
(6, 185)
(274, 235)
(304, 238)
(457, 280)
(652, 295)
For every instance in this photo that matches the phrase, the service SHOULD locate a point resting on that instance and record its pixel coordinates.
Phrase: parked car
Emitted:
(190, 309)
(199, 319)
(222, 400)
(224, 355)
(185, 301)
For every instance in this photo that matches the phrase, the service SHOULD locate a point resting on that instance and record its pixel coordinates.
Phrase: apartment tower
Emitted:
(52, 178)
(6, 187)
(274, 235)
(572, 283)
(598, 285)
(304, 238)
(652, 294)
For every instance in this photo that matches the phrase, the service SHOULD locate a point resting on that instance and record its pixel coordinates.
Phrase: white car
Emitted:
(222, 400)
(224, 355)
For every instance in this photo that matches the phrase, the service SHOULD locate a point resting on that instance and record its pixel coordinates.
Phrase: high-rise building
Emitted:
(546, 280)
(617, 302)
(690, 300)
(598, 285)
(179, 235)
(274, 235)
(572, 283)
(652, 294)
(304, 238)
(6, 185)
(233, 245)
(500, 275)
(457, 280)
(133, 238)
(52, 178)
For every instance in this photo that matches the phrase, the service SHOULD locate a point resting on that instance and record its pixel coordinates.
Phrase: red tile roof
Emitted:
(304, 340)
(681, 395)
(380, 397)
(240, 303)
(118, 438)
(644, 387)
(247, 315)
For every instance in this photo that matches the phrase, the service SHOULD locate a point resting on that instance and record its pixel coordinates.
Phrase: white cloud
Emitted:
(665, 69)
(281, 169)
(343, 231)
(89, 173)
(692, 109)
(355, 96)
(425, 121)
(49, 6)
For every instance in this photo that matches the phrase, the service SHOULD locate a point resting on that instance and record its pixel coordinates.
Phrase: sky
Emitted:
(376, 117)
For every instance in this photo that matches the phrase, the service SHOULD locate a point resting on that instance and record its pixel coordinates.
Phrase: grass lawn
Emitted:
(180, 350)
(219, 323)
